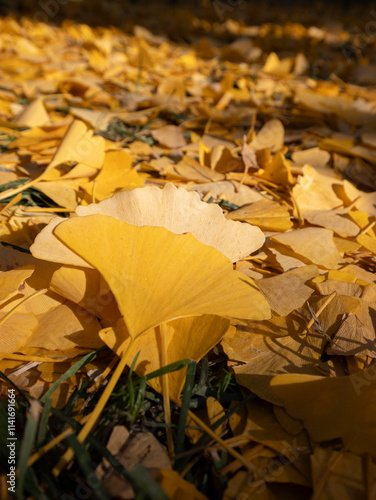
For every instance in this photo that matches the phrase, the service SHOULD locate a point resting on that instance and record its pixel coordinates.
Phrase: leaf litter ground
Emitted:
(188, 245)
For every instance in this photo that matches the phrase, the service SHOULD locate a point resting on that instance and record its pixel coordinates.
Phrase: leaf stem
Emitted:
(162, 333)
(86, 429)
(248, 465)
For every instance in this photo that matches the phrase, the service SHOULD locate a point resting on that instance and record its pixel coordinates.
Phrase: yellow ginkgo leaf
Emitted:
(346, 477)
(365, 202)
(181, 211)
(11, 281)
(177, 488)
(278, 170)
(34, 115)
(268, 215)
(72, 327)
(312, 243)
(333, 407)
(86, 288)
(157, 276)
(288, 291)
(231, 191)
(270, 136)
(315, 157)
(174, 208)
(79, 145)
(23, 324)
(115, 175)
(314, 191)
(47, 247)
(186, 338)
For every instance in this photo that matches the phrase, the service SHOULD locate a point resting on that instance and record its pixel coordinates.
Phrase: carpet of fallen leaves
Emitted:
(164, 197)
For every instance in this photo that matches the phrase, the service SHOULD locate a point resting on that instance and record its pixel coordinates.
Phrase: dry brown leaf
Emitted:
(314, 244)
(231, 191)
(266, 214)
(288, 291)
(339, 474)
(169, 136)
(270, 136)
(353, 337)
(143, 448)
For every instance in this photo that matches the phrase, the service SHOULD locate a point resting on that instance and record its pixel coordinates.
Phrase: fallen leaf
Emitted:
(170, 208)
(288, 291)
(330, 406)
(183, 259)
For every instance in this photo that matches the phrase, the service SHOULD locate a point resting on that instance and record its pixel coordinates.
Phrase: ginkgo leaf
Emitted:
(278, 170)
(367, 242)
(78, 144)
(97, 119)
(180, 211)
(34, 115)
(63, 192)
(276, 66)
(263, 427)
(157, 276)
(365, 202)
(189, 337)
(314, 157)
(314, 244)
(169, 136)
(314, 191)
(332, 407)
(22, 323)
(11, 281)
(223, 161)
(342, 288)
(71, 328)
(86, 288)
(353, 338)
(331, 317)
(270, 136)
(266, 214)
(116, 174)
(333, 220)
(231, 191)
(175, 209)
(177, 488)
(47, 247)
(283, 256)
(288, 291)
(346, 477)
(265, 349)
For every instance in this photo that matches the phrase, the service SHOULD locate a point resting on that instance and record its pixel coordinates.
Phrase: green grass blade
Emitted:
(43, 423)
(138, 476)
(143, 480)
(131, 390)
(140, 397)
(71, 371)
(25, 452)
(187, 393)
(172, 367)
(32, 486)
(83, 460)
